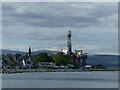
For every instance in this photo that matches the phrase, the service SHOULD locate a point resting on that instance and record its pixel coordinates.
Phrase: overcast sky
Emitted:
(45, 26)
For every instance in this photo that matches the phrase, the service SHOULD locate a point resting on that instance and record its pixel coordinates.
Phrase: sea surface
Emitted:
(61, 80)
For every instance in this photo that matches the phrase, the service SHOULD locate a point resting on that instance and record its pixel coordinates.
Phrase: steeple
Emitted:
(29, 52)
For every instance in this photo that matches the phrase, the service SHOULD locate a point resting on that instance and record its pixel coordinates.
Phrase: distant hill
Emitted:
(49, 52)
(5, 52)
(105, 60)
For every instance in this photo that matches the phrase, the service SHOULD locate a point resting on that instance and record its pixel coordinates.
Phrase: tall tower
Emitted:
(29, 52)
(69, 45)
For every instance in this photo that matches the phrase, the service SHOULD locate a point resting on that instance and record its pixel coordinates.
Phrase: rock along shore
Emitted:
(10, 71)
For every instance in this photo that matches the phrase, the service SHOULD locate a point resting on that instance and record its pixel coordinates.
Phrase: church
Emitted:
(28, 60)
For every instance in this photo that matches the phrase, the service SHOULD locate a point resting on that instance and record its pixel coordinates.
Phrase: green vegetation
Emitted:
(58, 59)
(42, 57)
(62, 59)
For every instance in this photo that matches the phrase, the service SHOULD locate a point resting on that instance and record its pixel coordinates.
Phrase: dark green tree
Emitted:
(62, 59)
(43, 57)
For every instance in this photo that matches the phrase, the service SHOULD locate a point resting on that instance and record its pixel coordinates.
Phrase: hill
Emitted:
(12, 52)
(105, 60)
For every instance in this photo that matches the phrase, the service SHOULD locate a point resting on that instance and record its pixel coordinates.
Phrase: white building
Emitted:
(64, 51)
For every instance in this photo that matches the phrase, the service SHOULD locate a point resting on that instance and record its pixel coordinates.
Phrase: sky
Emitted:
(44, 26)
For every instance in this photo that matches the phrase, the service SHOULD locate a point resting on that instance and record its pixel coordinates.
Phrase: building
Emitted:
(64, 51)
(27, 61)
(81, 58)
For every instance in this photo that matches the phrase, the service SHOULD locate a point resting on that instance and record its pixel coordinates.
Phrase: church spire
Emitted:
(29, 52)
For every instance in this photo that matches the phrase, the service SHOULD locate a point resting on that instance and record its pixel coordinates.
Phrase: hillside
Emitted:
(105, 60)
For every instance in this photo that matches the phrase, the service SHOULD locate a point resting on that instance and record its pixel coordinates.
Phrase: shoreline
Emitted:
(10, 71)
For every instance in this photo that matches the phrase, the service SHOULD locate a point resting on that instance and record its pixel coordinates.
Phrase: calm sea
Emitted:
(61, 80)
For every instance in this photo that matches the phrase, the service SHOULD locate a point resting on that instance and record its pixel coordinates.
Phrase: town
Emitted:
(64, 59)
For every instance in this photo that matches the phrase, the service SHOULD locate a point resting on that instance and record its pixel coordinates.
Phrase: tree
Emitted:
(42, 57)
(62, 59)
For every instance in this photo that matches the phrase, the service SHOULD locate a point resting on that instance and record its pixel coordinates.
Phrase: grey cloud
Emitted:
(55, 14)
(7, 8)
(104, 11)
(44, 36)
(48, 20)
(44, 25)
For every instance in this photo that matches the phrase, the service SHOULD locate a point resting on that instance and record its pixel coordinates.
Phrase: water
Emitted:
(61, 80)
